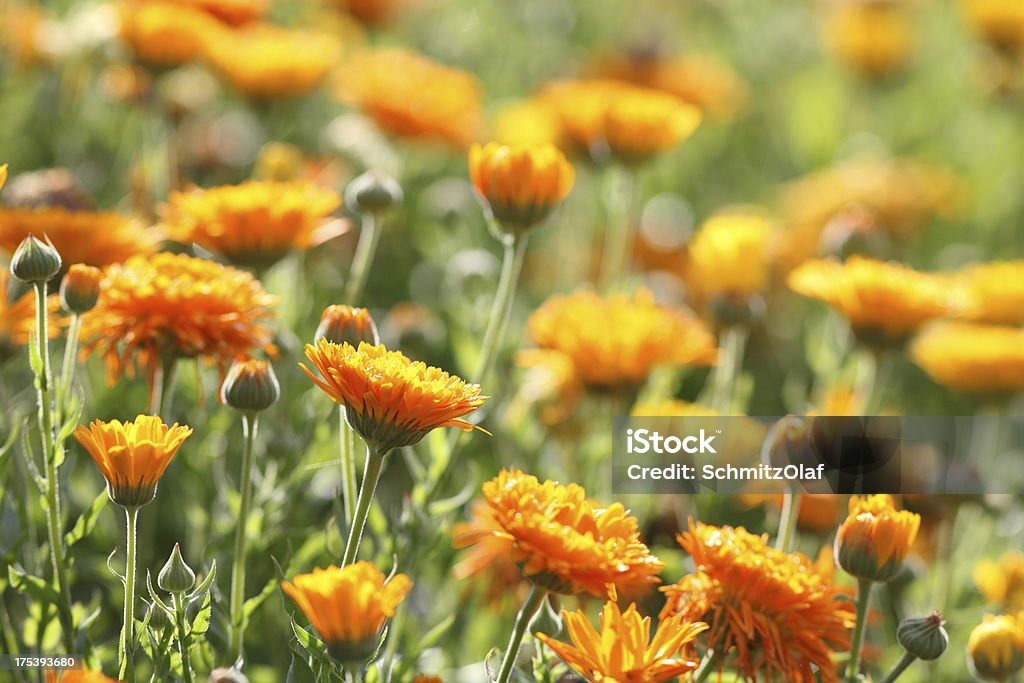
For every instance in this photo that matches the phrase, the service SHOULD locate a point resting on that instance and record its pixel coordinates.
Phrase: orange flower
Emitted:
(77, 676)
(730, 256)
(254, 223)
(615, 342)
(875, 538)
(522, 184)
(348, 606)
(80, 288)
(132, 455)
(776, 611)
(561, 540)
(995, 649)
(490, 559)
(998, 22)
(231, 12)
(874, 37)
(166, 33)
(993, 292)
(641, 123)
(18, 318)
(411, 96)
(624, 650)
(390, 400)
(582, 108)
(970, 357)
(167, 306)
(1002, 582)
(340, 323)
(372, 12)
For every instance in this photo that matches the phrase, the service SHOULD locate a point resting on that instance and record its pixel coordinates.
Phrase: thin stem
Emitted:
(867, 376)
(374, 465)
(366, 248)
(250, 424)
(67, 374)
(183, 648)
(128, 627)
(711, 662)
(787, 520)
(617, 199)
(905, 661)
(349, 476)
(160, 398)
(732, 341)
(508, 662)
(856, 644)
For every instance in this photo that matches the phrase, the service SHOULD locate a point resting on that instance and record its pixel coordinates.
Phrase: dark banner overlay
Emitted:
(883, 454)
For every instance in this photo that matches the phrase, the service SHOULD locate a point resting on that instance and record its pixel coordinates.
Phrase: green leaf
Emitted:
(434, 635)
(205, 585)
(310, 643)
(254, 602)
(86, 521)
(299, 672)
(35, 360)
(34, 586)
(8, 446)
(201, 622)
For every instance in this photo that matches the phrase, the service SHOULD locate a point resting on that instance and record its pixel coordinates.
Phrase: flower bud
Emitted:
(341, 324)
(158, 618)
(729, 309)
(923, 637)
(373, 192)
(225, 675)
(35, 261)
(548, 621)
(995, 649)
(80, 288)
(176, 576)
(250, 386)
(874, 540)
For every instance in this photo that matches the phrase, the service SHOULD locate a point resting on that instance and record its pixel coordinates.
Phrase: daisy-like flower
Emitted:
(157, 308)
(166, 33)
(873, 37)
(93, 238)
(521, 185)
(132, 455)
(582, 108)
(348, 606)
(1002, 582)
(78, 676)
(776, 612)
(641, 123)
(254, 224)
(875, 539)
(1000, 23)
(390, 400)
(884, 302)
(973, 358)
(410, 96)
(615, 342)
(992, 292)
(532, 121)
(623, 649)
(18, 317)
(995, 649)
(562, 541)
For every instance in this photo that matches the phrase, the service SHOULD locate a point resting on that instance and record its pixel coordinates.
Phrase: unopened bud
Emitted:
(80, 288)
(176, 576)
(341, 324)
(35, 261)
(250, 386)
(373, 192)
(923, 637)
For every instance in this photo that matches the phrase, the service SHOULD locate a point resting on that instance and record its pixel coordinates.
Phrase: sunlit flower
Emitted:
(561, 540)
(408, 95)
(340, 323)
(995, 649)
(77, 676)
(132, 455)
(730, 257)
(166, 306)
(348, 606)
(532, 121)
(166, 33)
(255, 223)
(93, 238)
(875, 539)
(521, 185)
(983, 359)
(874, 37)
(992, 292)
(776, 612)
(18, 317)
(624, 649)
(615, 342)
(489, 560)
(884, 302)
(641, 123)
(998, 22)
(80, 288)
(582, 108)
(390, 400)
(1002, 582)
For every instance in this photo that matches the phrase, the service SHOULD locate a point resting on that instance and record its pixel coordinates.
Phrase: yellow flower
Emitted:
(671, 408)
(998, 22)
(874, 37)
(3, 175)
(348, 606)
(623, 649)
(255, 223)
(77, 676)
(730, 255)
(157, 308)
(561, 540)
(132, 455)
(777, 612)
(1002, 582)
(410, 96)
(983, 359)
(992, 292)
(640, 123)
(615, 342)
(166, 33)
(522, 184)
(18, 317)
(884, 302)
(875, 538)
(528, 122)
(390, 400)
(995, 649)
(582, 108)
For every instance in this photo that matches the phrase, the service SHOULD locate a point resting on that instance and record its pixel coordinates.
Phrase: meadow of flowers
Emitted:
(315, 315)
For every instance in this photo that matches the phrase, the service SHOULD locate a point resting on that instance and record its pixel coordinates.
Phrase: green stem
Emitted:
(67, 374)
(128, 626)
(733, 341)
(160, 398)
(900, 667)
(250, 424)
(508, 662)
(183, 646)
(366, 248)
(349, 476)
(374, 465)
(856, 644)
(710, 664)
(618, 197)
(867, 376)
(788, 519)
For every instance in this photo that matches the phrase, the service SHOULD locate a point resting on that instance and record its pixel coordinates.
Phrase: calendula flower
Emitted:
(730, 259)
(1002, 582)
(132, 455)
(166, 306)
(18, 317)
(166, 33)
(410, 96)
(995, 649)
(982, 359)
(340, 323)
(80, 288)
(873, 37)
(93, 238)
(390, 400)
(992, 292)
(640, 123)
(874, 540)
(582, 109)
(623, 649)
(884, 302)
(489, 560)
(998, 22)
(533, 121)
(255, 223)
(348, 606)
(561, 540)
(615, 342)
(776, 612)
(522, 184)
(77, 676)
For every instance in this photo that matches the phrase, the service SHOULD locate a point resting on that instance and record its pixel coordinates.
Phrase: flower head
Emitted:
(582, 107)
(777, 612)
(340, 324)
(1002, 582)
(623, 649)
(995, 649)
(250, 386)
(875, 538)
(35, 261)
(874, 37)
(522, 184)
(254, 223)
(390, 400)
(348, 606)
(80, 288)
(992, 292)
(132, 455)
(77, 676)
(165, 32)
(152, 308)
(980, 359)
(562, 540)
(730, 256)
(998, 22)
(641, 123)
(615, 342)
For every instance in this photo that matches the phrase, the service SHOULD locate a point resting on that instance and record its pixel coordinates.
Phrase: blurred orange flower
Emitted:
(640, 123)
(582, 108)
(77, 676)
(340, 323)
(231, 12)
(521, 184)
(18, 317)
(995, 649)
(730, 255)
(993, 292)
(21, 26)
(1002, 582)
(533, 121)
(998, 22)
(875, 538)
(971, 357)
(166, 33)
(873, 37)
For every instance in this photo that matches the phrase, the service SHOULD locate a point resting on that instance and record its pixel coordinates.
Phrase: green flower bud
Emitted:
(158, 619)
(250, 386)
(923, 637)
(35, 261)
(548, 621)
(373, 192)
(176, 576)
